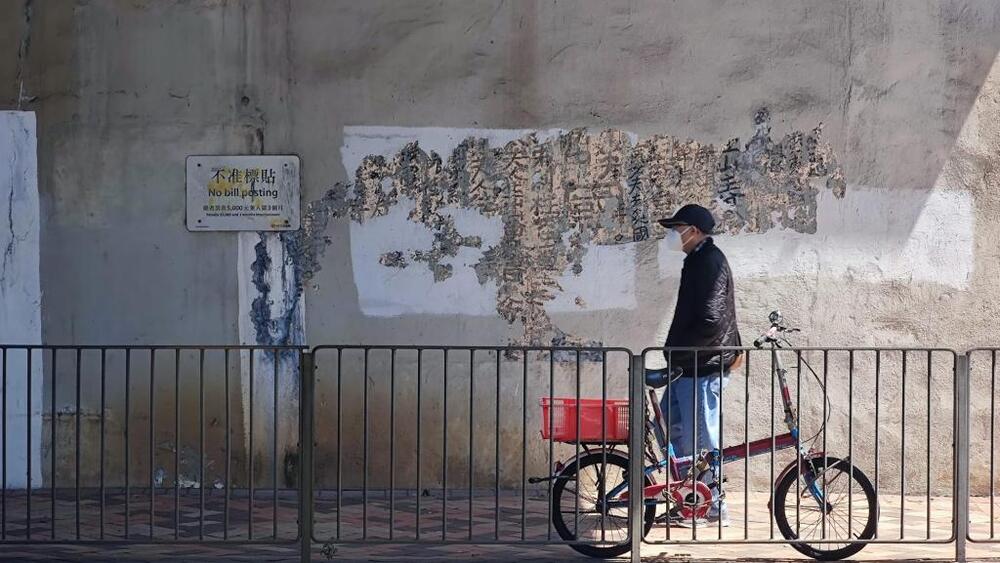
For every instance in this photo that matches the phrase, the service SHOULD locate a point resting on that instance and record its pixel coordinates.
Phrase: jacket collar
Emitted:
(707, 241)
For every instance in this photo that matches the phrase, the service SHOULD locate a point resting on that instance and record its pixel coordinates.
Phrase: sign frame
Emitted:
(242, 193)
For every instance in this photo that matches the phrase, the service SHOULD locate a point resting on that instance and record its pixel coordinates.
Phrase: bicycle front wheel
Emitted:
(578, 511)
(826, 500)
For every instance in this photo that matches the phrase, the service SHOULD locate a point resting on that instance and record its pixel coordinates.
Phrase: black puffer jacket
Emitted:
(705, 315)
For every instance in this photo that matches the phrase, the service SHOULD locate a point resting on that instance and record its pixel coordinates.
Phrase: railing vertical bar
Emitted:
(798, 443)
(250, 445)
(774, 356)
(201, 444)
(364, 465)
(27, 453)
(177, 442)
(671, 466)
(79, 354)
(929, 375)
(746, 451)
(637, 413)
(444, 451)
(850, 441)
(993, 450)
(694, 444)
(103, 418)
(878, 366)
(960, 510)
(826, 365)
(307, 443)
(722, 440)
(524, 442)
(3, 443)
(340, 475)
(225, 508)
(274, 443)
(496, 460)
(552, 366)
(128, 451)
(419, 491)
(472, 386)
(576, 497)
(392, 442)
(604, 435)
(902, 451)
(52, 449)
(152, 441)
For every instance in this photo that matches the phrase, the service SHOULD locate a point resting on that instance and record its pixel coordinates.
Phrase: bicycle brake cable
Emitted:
(826, 396)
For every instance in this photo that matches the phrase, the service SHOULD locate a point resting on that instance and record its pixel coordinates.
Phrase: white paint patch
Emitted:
(870, 235)
(390, 292)
(606, 282)
(20, 292)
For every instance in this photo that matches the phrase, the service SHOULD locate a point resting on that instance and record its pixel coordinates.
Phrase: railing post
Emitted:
(961, 455)
(306, 443)
(637, 425)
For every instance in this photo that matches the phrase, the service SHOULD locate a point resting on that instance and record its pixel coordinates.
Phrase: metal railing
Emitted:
(156, 425)
(441, 444)
(416, 458)
(886, 412)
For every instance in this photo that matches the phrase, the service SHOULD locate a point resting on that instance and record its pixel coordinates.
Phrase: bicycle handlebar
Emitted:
(766, 337)
(771, 334)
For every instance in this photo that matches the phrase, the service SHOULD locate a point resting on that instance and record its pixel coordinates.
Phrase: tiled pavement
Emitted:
(371, 520)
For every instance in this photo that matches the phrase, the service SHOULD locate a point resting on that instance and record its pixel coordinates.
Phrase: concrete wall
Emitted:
(874, 228)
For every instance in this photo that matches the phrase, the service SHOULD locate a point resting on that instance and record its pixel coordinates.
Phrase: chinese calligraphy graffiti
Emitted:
(558, 196)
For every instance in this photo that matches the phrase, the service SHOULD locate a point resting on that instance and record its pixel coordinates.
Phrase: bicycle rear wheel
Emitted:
(577, 499)
(850, 505)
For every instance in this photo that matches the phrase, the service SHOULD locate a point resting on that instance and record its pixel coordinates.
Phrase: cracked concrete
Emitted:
(23, 51)
(20, 289)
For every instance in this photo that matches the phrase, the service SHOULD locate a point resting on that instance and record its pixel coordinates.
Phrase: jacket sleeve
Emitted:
(712, 299)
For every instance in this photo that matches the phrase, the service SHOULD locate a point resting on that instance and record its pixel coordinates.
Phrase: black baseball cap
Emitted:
(694, 215)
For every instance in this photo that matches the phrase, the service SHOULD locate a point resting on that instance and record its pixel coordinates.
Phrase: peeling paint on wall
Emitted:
(558, 194)
(271, 314)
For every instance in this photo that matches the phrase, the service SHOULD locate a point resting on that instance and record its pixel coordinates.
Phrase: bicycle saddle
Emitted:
(657, 378)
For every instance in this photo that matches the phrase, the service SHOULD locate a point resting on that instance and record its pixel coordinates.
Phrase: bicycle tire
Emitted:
(568, 475)
(816, 551)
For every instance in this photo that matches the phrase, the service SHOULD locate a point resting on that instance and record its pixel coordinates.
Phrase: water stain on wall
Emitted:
(555, 196)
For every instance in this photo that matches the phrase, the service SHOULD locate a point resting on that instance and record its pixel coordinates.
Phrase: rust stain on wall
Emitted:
(558, 195)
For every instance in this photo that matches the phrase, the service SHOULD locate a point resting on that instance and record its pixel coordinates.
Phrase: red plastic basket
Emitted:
(563, 422)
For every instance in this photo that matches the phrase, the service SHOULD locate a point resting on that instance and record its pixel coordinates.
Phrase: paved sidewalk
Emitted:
(427, 554)
(187, 521)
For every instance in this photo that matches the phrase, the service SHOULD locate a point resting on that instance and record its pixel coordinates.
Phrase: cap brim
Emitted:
(671, 222)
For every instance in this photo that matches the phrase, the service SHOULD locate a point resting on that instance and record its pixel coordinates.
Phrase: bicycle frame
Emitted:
(679, 470)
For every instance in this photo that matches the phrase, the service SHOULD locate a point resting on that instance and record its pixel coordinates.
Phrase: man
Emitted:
(705, 317)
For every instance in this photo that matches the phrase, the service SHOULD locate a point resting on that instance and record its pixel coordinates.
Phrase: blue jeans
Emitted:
(694, 405)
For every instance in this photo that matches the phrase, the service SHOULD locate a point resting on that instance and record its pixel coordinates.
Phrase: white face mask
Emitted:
(675, 239)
